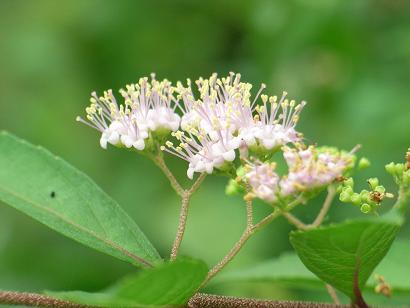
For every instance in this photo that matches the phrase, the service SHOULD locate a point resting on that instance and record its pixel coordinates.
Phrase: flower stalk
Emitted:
(250, 230)
(185, 195)
(183, 216)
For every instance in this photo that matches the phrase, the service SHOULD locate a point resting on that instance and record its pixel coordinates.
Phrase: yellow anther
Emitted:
(264, 98)
(179, 134)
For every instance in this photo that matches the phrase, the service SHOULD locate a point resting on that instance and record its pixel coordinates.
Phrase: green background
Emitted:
(349, 59)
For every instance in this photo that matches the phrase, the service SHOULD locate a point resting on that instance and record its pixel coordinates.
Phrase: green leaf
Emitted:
(51, 191)
(288, 269)
(346, 253)
(171, 283)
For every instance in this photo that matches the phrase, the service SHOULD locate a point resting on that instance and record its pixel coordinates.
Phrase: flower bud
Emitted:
(390, 168)
(349, 182)
(373, 182)
(399, 168)
(241, 171)
(356, 199)
(380, 189)
(233, 188)
(348, 190)
(365, 196)
(364, 163)
(365, 208)
(345, 197)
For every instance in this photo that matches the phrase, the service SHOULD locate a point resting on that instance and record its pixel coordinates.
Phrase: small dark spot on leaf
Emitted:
(53, 194)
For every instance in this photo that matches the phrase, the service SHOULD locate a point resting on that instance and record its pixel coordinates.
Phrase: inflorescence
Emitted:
(216, 124)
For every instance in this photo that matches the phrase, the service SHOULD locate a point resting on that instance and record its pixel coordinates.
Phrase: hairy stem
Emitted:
(197, 183)
(331, 193)
(185, 195)
(249, 213)
(35, 300)
(295, 221)
(201, 300)
(183, 215)
(231, 254)
(250, 230)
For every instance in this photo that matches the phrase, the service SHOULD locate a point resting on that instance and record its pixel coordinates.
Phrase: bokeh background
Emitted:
(349, 59)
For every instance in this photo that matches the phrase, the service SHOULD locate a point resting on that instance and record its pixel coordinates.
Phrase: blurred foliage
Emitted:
(349, 59)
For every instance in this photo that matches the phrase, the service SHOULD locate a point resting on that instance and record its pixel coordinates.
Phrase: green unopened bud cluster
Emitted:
(400, 172)
(368, 200)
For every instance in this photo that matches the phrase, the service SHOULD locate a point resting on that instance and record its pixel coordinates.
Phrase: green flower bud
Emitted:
(390, 168)
(345, 197)
(365, 208)
(399, 168)
(348, 190)
(241, 171)
(365, 196)
(380, 189)
(356, 199)
(364, 163)
(349, 182)
(233, 188)
(339, 189)
(373, 182)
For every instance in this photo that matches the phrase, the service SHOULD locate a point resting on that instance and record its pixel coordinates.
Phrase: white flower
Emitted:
(201, 152)
(308, 169)
(227, 119)
(214, 126)
(264, 181)
(153, 103)
(312, 168)
(163, 117)
(148, 106)
(277, 121)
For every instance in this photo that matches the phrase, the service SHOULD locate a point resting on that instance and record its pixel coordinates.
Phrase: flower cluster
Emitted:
(263, 180)
(369, 201)
(148, 107)
(308, 169)
(209, 129)
(224, 119)
(214, 123)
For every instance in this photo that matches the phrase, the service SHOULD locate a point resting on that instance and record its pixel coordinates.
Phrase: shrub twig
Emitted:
(201, 300)
(36, 300)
